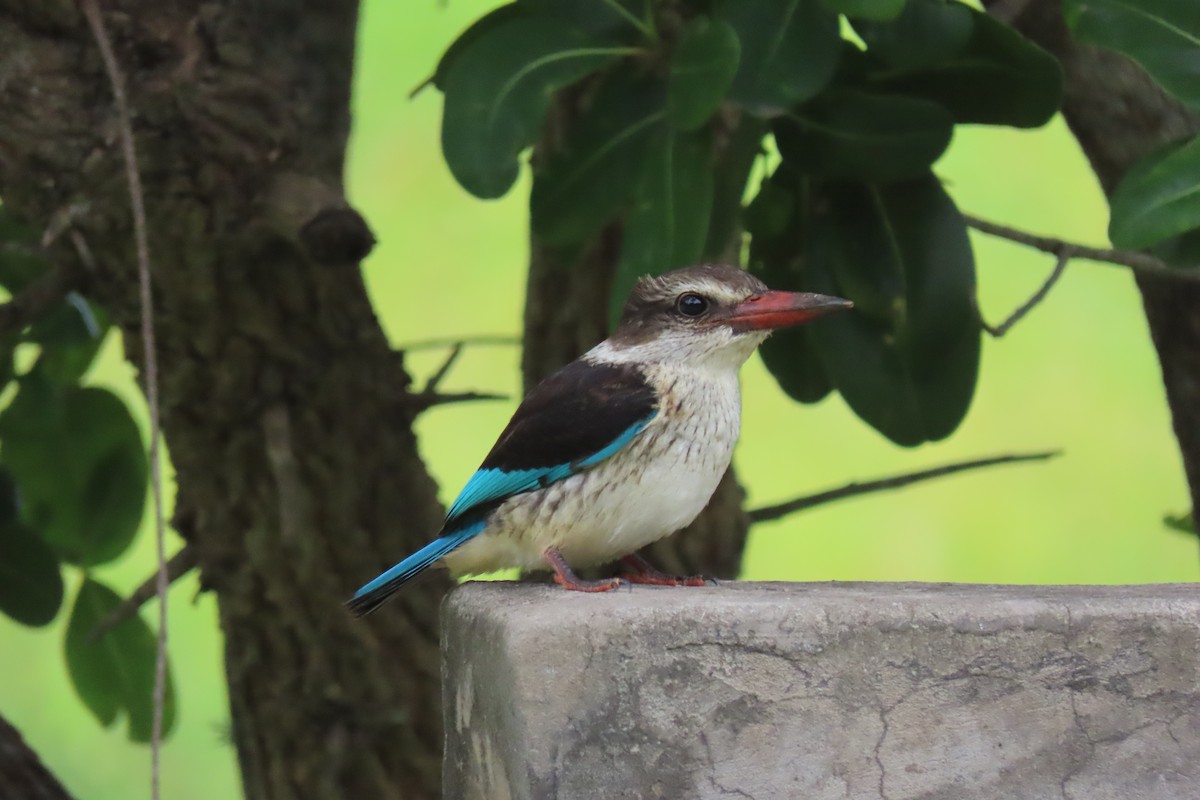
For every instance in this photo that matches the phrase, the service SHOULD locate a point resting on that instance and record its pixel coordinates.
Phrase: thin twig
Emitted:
(1140, 263)
(429, 396)
(768, 513)
(179, 565)
(422, 401)
(436, 378)
(997, 331)
(484, 340)
(138, 207)
(50, 289)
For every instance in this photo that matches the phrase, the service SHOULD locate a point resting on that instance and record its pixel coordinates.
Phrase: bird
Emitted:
(621, 447)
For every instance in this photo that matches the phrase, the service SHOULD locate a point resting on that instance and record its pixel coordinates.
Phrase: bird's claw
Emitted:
(580, 585)
(661, 579)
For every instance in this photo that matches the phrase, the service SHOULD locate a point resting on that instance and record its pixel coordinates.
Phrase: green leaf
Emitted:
(31, 587)
(1161, 35)
(1180, 251)
(779, 256)
(927, 32)
(789, 52)
(1158, 198)
(729, 187)
(844, 133)
(78, 458)
(70, 335)
(668, 224)
(597, 16)
(998, 77)
(498, 91)
(115, 674)
(477, 28)
(906, 361)
(702, 68)
(867, 9)
(10, 504)
(8, 365)
(593, 174)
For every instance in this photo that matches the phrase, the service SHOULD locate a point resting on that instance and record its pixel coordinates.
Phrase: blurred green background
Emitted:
(1079, 374)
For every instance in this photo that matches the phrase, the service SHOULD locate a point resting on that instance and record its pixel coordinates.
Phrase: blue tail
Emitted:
(375, 593)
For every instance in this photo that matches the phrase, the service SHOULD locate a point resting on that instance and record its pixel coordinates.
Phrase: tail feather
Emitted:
(374, 594)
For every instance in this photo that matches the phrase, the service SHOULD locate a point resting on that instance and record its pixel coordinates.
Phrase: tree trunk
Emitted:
(284, 409)
(1119, 115)
(22, 774)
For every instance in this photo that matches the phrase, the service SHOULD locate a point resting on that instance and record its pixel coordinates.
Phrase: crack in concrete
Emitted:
(712, 773)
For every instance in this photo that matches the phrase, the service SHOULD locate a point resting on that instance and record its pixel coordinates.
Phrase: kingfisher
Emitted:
(621, 447)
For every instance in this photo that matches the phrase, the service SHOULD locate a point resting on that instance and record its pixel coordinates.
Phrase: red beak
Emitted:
(773, 310)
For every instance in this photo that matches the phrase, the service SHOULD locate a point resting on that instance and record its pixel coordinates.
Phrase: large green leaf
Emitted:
(115, 674)
(926, 33)
(630, 17)
(78, 458)
(997, 77)
(789, 52)
(31, 587)
(1161, 35)
(1158, 198)
(10, 502)
(668, 224)
(844, 133)
(498, 89)
(702, 68)
(593, 174)
(906, 361)
(492, 19)
(867, 9)
(779, 256)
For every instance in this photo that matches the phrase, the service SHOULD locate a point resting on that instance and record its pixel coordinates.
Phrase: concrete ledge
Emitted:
(771, 690)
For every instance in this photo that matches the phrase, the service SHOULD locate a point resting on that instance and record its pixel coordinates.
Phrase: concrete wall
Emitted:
(819, 691)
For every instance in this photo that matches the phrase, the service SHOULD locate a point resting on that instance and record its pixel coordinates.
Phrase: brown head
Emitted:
(712, 313)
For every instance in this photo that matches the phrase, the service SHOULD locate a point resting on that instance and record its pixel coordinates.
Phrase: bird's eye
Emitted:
(691, 304)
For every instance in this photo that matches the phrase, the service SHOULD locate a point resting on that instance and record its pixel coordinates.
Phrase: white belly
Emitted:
(651, 488)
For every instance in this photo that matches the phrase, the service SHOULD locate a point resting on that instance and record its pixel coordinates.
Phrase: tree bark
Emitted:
(1119, 115)
(22, 774)
(285, 411)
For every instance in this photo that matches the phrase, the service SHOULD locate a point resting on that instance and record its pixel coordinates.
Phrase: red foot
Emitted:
(644, 572)
(566, 578)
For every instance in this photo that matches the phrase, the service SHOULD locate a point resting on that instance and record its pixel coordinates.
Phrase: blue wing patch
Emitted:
(496, 484)
(370, 596)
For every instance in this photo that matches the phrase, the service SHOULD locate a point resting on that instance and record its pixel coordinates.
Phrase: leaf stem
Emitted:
(632, 19)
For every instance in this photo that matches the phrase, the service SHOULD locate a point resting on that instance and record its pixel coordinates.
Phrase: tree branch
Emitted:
(429, 396)
(1140, 263)
(483, 340)
(424, 401)
(179, 565)
(768, 513)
